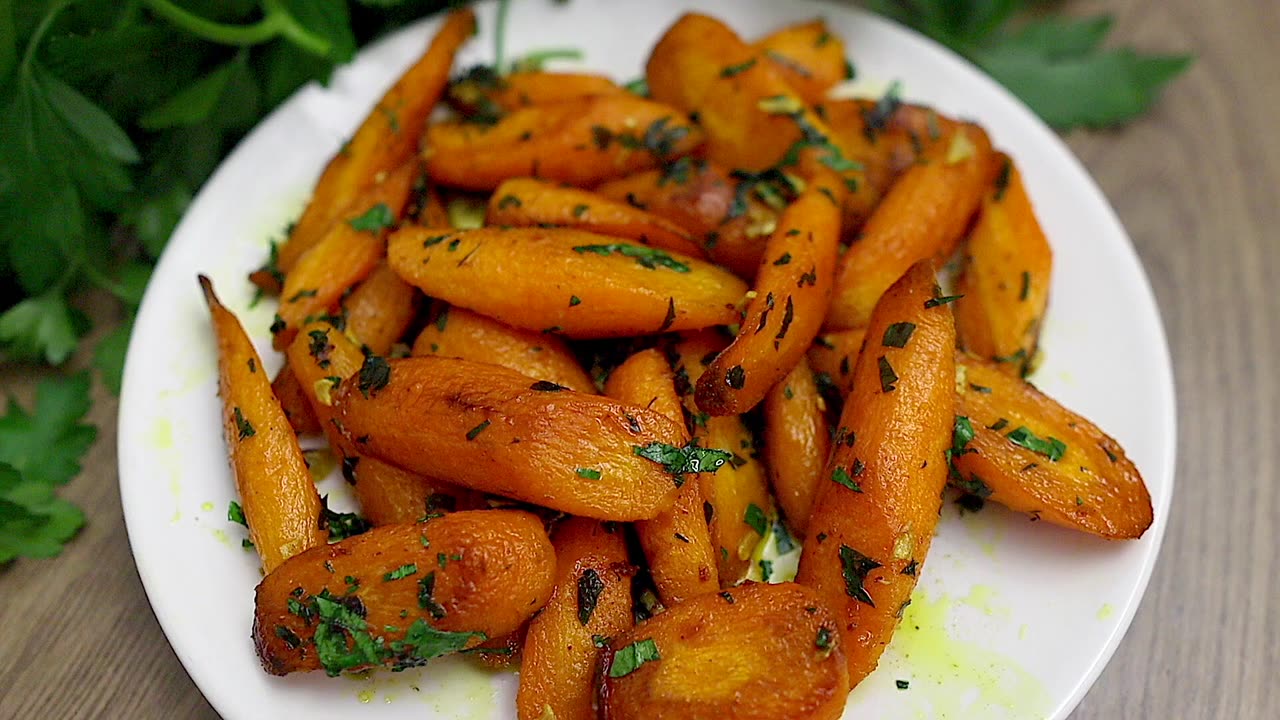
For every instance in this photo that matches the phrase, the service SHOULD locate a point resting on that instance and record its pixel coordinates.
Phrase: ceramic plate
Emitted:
(1012, 619)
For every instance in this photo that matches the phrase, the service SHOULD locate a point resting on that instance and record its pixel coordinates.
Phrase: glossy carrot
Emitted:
(677, 543)
(874, 516)
(591, 600)
(277, 494)
(484, 96)
(526, 202)
(834, 354)
(792, 292)
(808, 56)
(796, 443)
(388, 136)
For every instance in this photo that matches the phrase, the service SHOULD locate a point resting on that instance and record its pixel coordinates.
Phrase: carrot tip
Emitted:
(206, 286)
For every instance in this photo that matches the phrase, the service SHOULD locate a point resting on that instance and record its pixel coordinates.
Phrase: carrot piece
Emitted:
(796, 443)
(279, 499)
(756, 652)
(322, 359)
(347, 253)
(874, 518)
(380, 309)
(792, 292)
(565, 281)
(736, 498)
(834, 354)
(459, 333)
(592, 600)
(293, 401)
(526, 202)
(401, 595)
(388, 136)
(1005, 277)
(704, 199)
(887, 136)
(493, 429)
(677, 543)
(1032, 455)
(923, 216)
(483, 96)
(580, 142)
(808, 56)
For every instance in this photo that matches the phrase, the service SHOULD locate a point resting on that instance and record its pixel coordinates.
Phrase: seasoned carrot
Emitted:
(401, 595)
(526, 202)
(792, 292)
(755, 652)
(380, 309)
(1029, 453)
(565, 281)
(874, 516)
(736, 498)
(322, 359)
(923, 216)
(279, 499)
(704, 199)
(592, 600)
(493, 429)
(460, 333)
(388, 136)
(1005, 277)
(808, 56)
(886, 136)
(835, 353)
(796, 443)
(483, 96)
(580, 142)
(676, 543)
(347, 253)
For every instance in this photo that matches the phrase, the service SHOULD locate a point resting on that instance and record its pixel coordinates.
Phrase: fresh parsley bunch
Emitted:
(114, 112)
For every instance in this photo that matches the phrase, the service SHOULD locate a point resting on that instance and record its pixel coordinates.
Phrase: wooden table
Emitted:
(1195, 183)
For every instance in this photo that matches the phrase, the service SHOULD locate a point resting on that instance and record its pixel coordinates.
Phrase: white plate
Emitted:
(1011, 620)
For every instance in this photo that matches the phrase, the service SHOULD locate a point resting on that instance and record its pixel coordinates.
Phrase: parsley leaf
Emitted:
(688, 459)
(46, 445)
(630, 658)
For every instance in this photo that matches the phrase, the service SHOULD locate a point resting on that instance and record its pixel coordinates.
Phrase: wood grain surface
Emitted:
(1196, 184)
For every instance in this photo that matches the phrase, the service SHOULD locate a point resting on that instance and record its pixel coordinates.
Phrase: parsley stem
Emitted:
(500, 37)
(276, 22)
(30, 52)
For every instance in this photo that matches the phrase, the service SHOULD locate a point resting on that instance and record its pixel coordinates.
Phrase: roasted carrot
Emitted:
(492, 429)
(581, 142)
(565, 281)
(592, 600)
(796, 443)
(481, 95)
(1005, 277)
(459, 333)
(755, 652)
(293, 402)
(677, 543)
(808, 56)
(736, 498)
(526, 202)
(792, 291)
(923, 216)
(874, 516)
(704, 199)
(279, 499)
(835, 353)
(346, 254)
(1020, 448)
(323, 358)
(402, 595)
(388, 136)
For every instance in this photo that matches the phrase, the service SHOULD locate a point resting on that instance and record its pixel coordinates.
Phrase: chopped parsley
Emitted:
(546, 386)
(755, 519)
(426, 596)
(590, 586)
(736, 377)
(401, 572)
(630, 658)
(235, 514)
(375, 219)
(588, 473)
(887, 376)
(682, 460)
(651, 258)
(1051, 447)
(897, 334)
(939, 301)
(474, 432)
(243, 427)
(731, 70)
(374, 375)
(823, 640)
(840, 476)
(854, 566)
